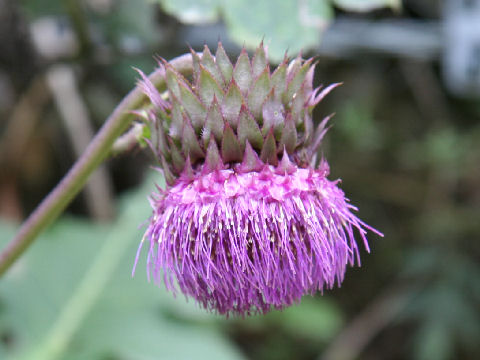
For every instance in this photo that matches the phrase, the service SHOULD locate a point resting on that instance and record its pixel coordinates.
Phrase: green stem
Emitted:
(56, 202)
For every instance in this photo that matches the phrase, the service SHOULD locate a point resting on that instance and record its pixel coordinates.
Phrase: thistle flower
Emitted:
(247, 222)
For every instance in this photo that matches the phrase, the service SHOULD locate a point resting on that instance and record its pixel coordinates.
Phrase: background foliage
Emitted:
(406, 150)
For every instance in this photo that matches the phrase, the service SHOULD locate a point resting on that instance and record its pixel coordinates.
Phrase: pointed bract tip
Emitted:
(285, 166)
(213, 160)
(318, 94)
(151, 91)
(187, 173)
(251, 161)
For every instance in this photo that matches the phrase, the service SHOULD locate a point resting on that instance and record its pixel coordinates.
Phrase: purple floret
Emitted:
(242, 243)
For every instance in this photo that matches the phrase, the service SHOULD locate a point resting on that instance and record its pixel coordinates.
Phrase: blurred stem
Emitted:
(18, 131)
(80, 25)
(353, 339)
(98, 150)
(129, 140)
(62, 81)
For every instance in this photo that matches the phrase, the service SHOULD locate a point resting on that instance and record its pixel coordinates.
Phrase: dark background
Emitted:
(405, 142)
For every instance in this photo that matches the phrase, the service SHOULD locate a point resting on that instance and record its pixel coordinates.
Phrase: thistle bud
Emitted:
(247, 221)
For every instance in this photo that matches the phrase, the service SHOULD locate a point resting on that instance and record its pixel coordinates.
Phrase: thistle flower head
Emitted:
(247, 222)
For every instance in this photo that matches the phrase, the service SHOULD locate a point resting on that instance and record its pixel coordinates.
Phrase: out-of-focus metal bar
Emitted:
(347, 37)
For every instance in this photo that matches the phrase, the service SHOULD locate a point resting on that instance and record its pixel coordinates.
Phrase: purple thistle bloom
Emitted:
(245, 229)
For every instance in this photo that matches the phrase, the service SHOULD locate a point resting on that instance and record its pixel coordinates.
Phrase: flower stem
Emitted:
(98, 150)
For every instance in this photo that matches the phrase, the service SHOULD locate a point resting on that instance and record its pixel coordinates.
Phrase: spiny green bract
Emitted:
(216, 118)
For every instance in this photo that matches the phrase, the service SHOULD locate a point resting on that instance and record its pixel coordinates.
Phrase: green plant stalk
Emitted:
(98, 150)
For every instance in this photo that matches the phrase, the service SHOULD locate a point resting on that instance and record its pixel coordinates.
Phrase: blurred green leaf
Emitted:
(446, 309)
(39, 8)
(357, 123)
(130, 25)
(287, 24)
(367, 5)
(318, 319)
(284, 25)
(433, 342)
(444, 147)
(130, 318)
(193, 11)
(122, 73)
